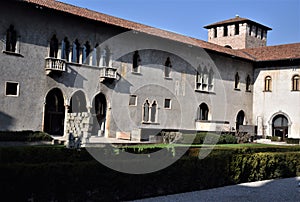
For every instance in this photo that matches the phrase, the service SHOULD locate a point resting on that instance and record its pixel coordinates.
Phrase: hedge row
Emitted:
(79, 178)
(27, 136)
(208, 138)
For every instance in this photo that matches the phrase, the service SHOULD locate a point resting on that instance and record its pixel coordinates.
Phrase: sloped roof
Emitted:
(273, 53)
(235, 20)
(264, 53)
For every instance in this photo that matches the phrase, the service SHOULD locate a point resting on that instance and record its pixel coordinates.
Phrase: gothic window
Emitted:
(53, 47)
(65, 49)
(202, 112)
(168, 67)
(296, 83)
(248, 82)
(198, 81)
(153, 112)
(210, 80)
(95, 55)
(205, 80)
(237, 29)
(11, 39)
(268, 84)
(86, 52)
(136, 61)
(146, 109)
(75, 51)
(236, 81)
(225, 30)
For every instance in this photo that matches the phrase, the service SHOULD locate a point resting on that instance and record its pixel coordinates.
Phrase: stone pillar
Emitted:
(66, 121)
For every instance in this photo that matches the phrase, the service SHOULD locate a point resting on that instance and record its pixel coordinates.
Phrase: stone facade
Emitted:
(174, 87)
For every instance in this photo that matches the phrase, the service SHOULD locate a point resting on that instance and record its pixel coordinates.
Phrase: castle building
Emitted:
(66, 69)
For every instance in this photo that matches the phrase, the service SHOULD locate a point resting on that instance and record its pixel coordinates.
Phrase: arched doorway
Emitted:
(99, 113)
(240, 119)
(202, 112)
(54, 113)
(77, 103)
(280, 126)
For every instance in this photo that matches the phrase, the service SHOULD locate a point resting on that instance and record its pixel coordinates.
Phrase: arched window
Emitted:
(280, 126)
(168, 67)
(236, 81)
(53, 46)
(65, 49)
(203, 112)
(86, 52)
(153, 112)
(136, 61)
(210, 80)
(146, 111)
(77, 103)
(296, 83)
(248, 83)
(240, 119)
(75, 51)
(268, 84)
(11, 39)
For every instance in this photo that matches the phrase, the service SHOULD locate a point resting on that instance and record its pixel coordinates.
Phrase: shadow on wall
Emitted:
(6, 121)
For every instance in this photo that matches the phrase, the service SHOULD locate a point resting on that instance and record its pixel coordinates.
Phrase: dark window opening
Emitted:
(86, 52)
(236, 81)
(146, 111)
(237, 29)
(227, 46)
(262, 34)
(248, 82)
(203, 112)
(168, 67)
(76, 51)
(215, 32)
(240, 119)
(12, 89)
(167, 104)
(65, 49)
(250, 30)
(11, 39)
(153, 112)
(225, 31)
(53, 47)
(136, 61)
(256, 31)
(132, 100)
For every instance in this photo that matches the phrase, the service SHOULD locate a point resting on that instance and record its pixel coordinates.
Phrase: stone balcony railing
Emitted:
(54, 64)
(108, 73)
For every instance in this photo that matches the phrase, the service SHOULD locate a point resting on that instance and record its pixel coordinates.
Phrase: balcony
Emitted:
(55, 65)
(108, 73)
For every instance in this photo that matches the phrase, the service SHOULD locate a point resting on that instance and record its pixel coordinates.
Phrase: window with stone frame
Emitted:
(132, 100)
(150, 112)
(11, 88)
(204, 79)
(268, 84)
(215, 32)
(236, 29)
(76, 51)
(202, 113)
(167, 103)
(296, 83)
(86, 53)
(65, 49)
(225, 32)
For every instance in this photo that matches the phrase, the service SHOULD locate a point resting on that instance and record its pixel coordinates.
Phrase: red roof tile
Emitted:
(264, 53)
(235, 20)
(272, 53)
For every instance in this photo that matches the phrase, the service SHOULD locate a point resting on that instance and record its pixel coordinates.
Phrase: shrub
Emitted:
(28, 136)
(292, 141)
(210, 138)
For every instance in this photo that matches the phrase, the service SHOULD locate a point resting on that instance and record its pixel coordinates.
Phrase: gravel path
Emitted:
(269, 190)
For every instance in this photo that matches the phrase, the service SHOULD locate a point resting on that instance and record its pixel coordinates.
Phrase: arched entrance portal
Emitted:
(240, 119)
(280, 126)
(99, 114)
(54, 113)
(77, 103)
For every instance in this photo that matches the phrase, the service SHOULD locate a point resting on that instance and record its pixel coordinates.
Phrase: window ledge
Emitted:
(267, 91)
(150, 123)
(168, 78)
(137, 73)
(295, 90)
(75, 63)
(248, 91)
(237, 89)
(206, 92)
(12, 53)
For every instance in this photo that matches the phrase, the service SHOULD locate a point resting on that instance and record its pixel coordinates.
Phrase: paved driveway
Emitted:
(269, 190)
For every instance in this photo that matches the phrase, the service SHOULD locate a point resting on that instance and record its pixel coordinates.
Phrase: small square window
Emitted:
(167, 104)
(12, 89)
(132, 100)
